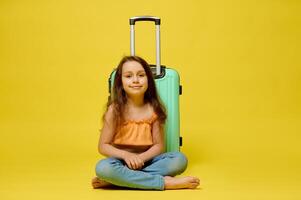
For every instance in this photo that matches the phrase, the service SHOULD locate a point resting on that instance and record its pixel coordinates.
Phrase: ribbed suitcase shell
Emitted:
(169, 89)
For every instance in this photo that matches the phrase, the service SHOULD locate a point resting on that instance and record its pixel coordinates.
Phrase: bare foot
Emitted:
(181, 182)
(98, 183)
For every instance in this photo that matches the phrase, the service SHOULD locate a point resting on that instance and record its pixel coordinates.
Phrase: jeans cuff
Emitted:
(161, 182)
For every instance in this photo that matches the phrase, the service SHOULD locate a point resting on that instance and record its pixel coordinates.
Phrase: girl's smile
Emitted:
(136, 86)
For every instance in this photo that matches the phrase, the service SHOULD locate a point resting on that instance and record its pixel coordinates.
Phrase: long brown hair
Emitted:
(118, 97)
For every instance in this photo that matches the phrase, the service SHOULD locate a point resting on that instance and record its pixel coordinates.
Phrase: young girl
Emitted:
(132, 135)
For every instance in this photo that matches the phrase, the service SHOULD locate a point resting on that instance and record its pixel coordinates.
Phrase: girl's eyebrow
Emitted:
(140, 71)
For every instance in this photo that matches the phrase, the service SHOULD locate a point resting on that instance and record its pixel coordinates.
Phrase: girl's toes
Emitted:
(194, 185)
(95, 180)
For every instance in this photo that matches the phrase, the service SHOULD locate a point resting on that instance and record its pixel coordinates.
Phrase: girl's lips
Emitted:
(135, 86)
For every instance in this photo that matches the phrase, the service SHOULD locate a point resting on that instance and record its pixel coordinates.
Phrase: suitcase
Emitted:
(168, 87)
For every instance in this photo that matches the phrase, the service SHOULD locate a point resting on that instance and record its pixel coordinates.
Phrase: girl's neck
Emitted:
(135, 101)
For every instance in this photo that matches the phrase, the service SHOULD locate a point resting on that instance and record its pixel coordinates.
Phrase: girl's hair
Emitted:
(118, 97)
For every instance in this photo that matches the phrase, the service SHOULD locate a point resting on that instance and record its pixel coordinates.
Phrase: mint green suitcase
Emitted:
(168, 86)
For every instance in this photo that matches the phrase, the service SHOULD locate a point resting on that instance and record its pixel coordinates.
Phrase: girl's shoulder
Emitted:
(111, 107)
(151, 110)
(109, 114)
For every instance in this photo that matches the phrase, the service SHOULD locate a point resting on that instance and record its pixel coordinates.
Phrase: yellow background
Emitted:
(239, 63)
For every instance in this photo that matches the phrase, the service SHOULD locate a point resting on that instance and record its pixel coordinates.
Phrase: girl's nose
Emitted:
(135, 79)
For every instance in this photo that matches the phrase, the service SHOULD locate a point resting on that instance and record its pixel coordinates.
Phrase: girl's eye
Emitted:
(128, 76)
(142, 75)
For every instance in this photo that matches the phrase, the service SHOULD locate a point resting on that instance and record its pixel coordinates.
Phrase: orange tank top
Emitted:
(135, 133)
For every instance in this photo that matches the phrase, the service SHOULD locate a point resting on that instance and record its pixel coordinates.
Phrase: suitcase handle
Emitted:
(157, 21)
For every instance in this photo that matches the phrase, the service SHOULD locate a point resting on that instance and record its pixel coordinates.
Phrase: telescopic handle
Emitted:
(157, 21)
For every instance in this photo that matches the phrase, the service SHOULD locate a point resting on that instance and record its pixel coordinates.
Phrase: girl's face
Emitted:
(134, 79)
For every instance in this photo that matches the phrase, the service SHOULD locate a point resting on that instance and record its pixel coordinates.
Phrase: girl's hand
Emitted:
(133, 161)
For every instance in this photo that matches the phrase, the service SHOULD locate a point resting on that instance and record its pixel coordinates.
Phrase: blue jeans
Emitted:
(150, 177)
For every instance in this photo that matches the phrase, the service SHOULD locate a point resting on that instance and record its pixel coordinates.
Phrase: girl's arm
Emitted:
(158, 139)
(107, 133)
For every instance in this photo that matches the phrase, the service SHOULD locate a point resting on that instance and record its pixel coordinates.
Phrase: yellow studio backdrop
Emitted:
(239, 63)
